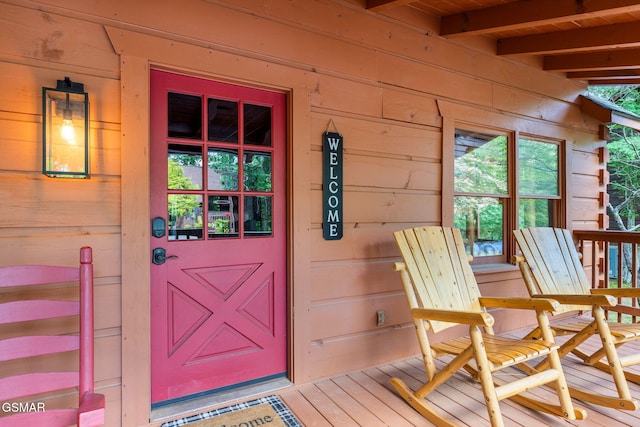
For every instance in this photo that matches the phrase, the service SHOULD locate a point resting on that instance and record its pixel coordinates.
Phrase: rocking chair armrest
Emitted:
(453, 316)
(617, 292)
(538, 304)
(600, 300)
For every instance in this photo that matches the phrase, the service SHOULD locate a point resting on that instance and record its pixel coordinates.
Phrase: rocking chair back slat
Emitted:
(561, 273)
(440, 275)
(551, 268)
(32, 314)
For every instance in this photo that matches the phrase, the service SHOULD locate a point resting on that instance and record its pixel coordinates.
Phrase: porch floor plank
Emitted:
(366, 398)
(383, 391)
(304, 409)
(385, 414)
(327, 407)
(349, 403)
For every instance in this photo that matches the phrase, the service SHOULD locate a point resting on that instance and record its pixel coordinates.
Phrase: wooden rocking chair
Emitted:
(25, 388)
(551, 268)
(442, 292)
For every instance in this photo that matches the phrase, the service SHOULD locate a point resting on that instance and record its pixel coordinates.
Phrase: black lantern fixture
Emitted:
(65, 130)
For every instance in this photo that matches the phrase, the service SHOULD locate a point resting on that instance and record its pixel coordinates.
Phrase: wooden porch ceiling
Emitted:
(597, 41)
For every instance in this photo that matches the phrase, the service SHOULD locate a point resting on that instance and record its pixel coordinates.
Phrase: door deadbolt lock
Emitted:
(159, 256)
(158, 227)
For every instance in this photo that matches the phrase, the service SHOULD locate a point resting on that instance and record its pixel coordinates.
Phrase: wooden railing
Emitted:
(596, 248)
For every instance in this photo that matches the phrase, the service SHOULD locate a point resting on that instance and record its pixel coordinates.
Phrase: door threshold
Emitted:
(208, 402)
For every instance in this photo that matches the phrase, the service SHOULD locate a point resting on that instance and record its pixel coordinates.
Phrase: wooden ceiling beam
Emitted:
(380, 5)
(607, 60)
(523, 14)
(605, 74)
(615, 82)
(594, 38)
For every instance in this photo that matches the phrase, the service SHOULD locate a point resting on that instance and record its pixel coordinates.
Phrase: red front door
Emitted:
(218, 284)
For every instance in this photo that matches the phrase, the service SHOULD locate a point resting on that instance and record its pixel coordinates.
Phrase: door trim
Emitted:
(138, 53)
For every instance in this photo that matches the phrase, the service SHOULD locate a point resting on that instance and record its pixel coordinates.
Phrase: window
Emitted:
(538, 183)
(220, 183)
(500, 185)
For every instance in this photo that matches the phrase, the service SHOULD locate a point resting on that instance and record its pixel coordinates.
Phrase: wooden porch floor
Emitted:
(366, 398)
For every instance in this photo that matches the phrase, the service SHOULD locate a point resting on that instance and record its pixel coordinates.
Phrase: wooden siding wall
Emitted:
(395, 92)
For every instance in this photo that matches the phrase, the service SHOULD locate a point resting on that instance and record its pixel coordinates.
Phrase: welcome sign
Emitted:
(332, 186)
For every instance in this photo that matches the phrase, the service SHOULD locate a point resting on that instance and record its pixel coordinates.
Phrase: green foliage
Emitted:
(180, 205)
(484, 213)
(222, 226)
(538, 163)
(624, 157)
(225, 164)
(627, 97)
(257, 172)
(484, 169)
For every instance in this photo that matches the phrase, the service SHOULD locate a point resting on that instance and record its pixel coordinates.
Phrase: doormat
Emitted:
(267, 411)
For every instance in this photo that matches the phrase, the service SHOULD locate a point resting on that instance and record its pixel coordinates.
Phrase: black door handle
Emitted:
(160, 256)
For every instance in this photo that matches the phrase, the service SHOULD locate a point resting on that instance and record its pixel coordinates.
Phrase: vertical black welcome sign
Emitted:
(332, 186)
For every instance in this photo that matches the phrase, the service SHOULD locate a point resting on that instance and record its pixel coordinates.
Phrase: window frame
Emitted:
(511, 200)
(560, 198)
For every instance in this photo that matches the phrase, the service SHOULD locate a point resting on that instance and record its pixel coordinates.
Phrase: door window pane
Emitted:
(185, 216)
(184, 167)
(185, 116)
(222, 120)
(257, 171)
(257, 125)
(481, 221)
(538, 168)
(223, 169)
(223, 216)
(257, 214)
(480, 164)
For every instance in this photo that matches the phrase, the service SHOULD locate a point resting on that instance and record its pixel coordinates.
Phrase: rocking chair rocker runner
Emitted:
(26, 387)
(551, 268)
(442, 292)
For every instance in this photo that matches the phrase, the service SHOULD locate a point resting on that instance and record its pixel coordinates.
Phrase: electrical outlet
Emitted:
(380, 317)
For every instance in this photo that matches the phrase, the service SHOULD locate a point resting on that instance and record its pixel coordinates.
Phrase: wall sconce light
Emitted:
(65, 130)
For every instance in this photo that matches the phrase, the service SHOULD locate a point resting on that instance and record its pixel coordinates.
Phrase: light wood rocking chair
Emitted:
(26, 387)
(551, 268)
(442, 292)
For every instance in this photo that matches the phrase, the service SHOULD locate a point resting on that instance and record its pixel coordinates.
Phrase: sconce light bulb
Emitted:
(66, 131)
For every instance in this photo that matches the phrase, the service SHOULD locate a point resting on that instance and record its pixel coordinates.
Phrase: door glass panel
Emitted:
(257, 171)
(257, 216)
(257, 125)
(223, 216)
(185, 116)
(222, 120)
(185, 216)
(185, 167)
(223, 169)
